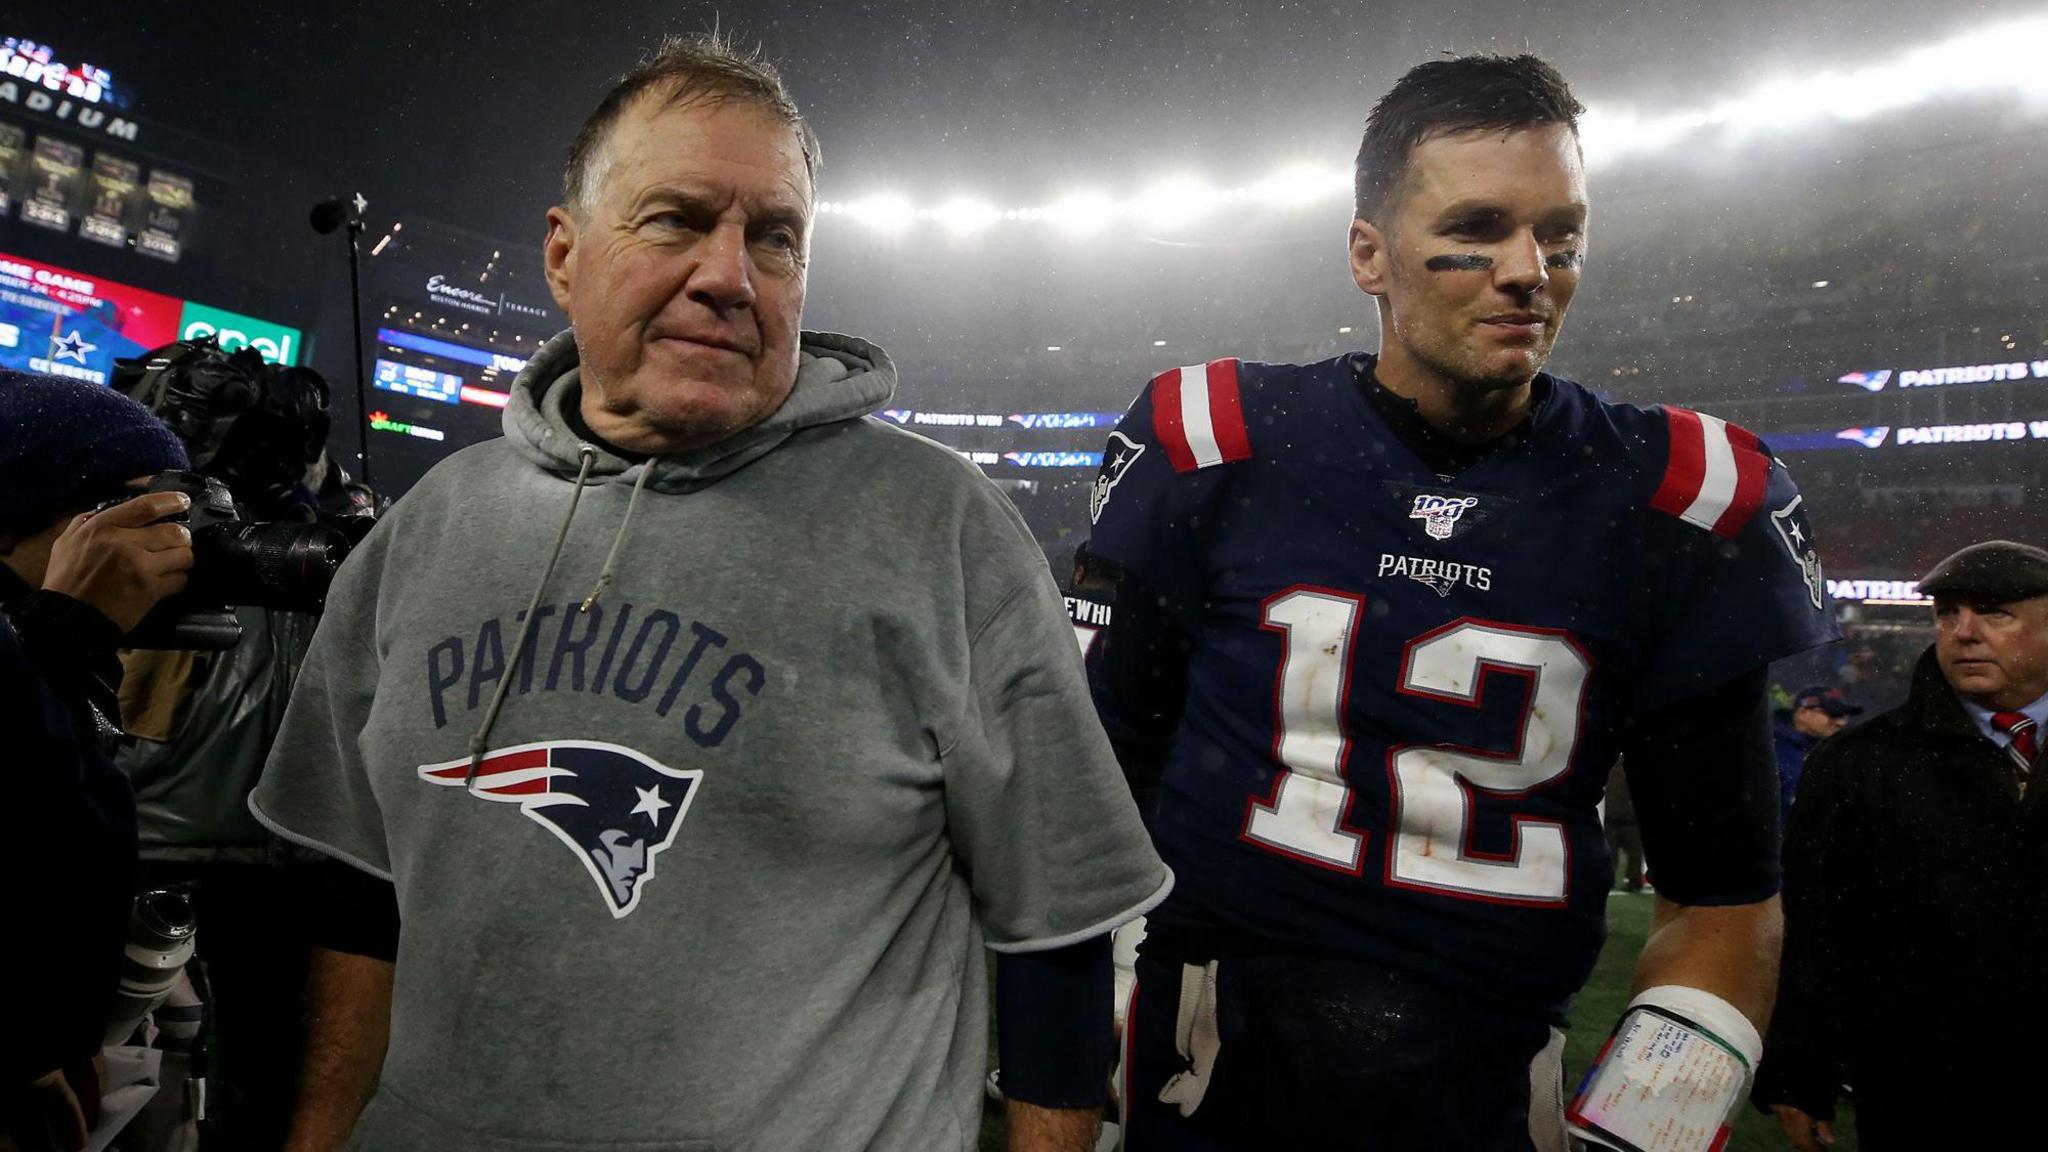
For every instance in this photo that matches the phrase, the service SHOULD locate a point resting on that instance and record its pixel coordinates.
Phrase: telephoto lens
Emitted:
(161, 933)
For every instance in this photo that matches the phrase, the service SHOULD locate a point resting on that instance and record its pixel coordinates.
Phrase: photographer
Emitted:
(72, 581)
(200, 724)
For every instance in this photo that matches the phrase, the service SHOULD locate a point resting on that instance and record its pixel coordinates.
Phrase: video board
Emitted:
(65, 323)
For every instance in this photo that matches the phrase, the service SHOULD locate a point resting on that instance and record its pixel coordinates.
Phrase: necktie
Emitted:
(2021, 728)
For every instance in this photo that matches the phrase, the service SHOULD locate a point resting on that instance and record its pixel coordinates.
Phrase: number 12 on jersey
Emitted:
(1305, 817)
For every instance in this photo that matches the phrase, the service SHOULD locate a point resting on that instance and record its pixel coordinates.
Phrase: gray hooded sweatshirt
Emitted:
(718, 877)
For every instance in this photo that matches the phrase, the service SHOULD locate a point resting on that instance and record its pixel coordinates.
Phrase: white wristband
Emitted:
(1711, 1013)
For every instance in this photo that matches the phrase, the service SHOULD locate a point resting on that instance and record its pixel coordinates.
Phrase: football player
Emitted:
(1381, 627)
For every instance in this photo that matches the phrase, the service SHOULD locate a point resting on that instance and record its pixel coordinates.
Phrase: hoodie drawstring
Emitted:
(611, 558)
(481, 740)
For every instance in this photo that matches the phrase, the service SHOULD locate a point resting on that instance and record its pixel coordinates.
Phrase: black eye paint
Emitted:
(1565, 259)
(1459, 262)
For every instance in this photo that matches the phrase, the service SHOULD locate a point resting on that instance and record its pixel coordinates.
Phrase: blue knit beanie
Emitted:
(65, 444)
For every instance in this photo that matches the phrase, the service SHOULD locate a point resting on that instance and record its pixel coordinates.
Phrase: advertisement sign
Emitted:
(52, 183)
(449, 294)
(65, 323)
(34, 79)
(114, 184)
(274, 342)
(36, 64)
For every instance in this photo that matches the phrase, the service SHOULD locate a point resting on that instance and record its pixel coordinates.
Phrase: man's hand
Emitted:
(1036, 1129)
(1803, 1132)
(120, 562)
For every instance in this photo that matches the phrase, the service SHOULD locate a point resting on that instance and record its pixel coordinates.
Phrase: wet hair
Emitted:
(683, 71)
(1463, 94)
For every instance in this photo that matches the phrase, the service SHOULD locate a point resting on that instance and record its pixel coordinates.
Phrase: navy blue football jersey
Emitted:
(1406, 691)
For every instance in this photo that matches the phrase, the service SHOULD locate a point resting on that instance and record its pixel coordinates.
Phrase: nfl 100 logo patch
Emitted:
(1440, 514)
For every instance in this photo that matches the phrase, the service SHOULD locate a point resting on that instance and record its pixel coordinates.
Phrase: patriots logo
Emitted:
(1440, 514)
(1790, 521)
(1868, 437)
(615, 808)
(1436, 584)
(899, 415)
(1868, 381)
(1122, 452)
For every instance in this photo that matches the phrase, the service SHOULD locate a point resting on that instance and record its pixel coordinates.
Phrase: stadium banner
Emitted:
(1877, 592)
(1885, 436)
(167, 206)
(1090, 460)
(114, 183)
(53, 183)
(1878, 379)
(13, 142)
(1033, 420)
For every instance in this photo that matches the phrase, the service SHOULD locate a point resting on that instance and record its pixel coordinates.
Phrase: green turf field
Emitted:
(1628, 923)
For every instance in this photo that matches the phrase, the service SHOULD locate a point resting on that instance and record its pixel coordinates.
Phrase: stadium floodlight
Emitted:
(885, 213)
(1172, 203)
(1300, 184)
(963, 215)
(2001, 57)
(1080, 213)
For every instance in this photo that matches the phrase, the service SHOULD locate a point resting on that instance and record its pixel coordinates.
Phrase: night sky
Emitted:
(460, 110)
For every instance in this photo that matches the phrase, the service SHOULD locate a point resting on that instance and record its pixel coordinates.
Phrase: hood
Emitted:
(837, 378)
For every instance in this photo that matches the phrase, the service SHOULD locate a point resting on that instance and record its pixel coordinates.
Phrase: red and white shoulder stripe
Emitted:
(1716, 475)
(1198, 417)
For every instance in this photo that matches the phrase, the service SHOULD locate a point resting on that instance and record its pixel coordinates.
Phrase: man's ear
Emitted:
(557, 253)
(1371, 261)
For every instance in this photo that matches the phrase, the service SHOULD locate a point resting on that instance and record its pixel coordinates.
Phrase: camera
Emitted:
(161, 936)
(282, 565)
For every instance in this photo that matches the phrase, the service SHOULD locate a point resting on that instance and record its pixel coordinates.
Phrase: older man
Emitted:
(703, 724)
(1916, 874)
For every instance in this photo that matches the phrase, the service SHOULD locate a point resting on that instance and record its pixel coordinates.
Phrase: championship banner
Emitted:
(167, 204)
(52, 183)
(114, 184)
(13, 142)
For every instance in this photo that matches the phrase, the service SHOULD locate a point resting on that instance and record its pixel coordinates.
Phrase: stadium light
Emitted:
(1081, 213)
(1172, 203)
(2003, 58)
(884, 213)
(1299, 185)
(963, 216)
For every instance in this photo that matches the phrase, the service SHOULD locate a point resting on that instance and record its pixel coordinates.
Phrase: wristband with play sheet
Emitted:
(1670, 1076)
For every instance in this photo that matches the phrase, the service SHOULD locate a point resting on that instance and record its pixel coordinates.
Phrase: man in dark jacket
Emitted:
(71, 582)
(1816, 714)
(1916, 875)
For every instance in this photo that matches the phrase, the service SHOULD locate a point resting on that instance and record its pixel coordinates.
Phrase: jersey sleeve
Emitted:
(315, 788)
(1160, 469)
(1733, 561)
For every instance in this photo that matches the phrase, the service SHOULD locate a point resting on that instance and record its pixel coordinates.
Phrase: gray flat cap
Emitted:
(1997, 570)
